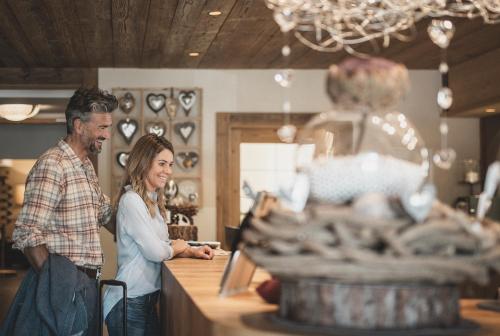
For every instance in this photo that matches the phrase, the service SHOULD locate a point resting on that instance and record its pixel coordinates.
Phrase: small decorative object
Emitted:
(185, 130)
(471, 171)
(126, 103)
(122, 158)
(287, 132)
(156, 127)
(156, 102)
(172, 104)
(187, 100)
(182, 222)
(187, 160)
(171, 190)
(188, 190)
(127, 128)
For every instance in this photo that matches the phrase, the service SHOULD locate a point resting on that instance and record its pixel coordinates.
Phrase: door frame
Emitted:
(232, 129)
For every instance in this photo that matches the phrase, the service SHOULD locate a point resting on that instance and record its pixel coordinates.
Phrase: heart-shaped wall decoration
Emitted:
(157, 127)
(156, 101)
(187, 160)
(172, 104)
(171, 189)
(127, 128)
(187, 100)
(126, 103)
(122, 158)
(185, 130)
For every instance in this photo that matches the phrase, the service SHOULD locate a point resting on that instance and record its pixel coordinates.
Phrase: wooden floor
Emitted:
(8, 289)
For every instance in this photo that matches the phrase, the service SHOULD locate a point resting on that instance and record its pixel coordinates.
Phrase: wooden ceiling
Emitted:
(161, 33)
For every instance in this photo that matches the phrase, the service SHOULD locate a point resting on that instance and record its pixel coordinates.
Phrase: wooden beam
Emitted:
(475, 84)
(47, 78)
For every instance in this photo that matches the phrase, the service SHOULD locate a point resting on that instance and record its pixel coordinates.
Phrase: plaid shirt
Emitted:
(63, 208)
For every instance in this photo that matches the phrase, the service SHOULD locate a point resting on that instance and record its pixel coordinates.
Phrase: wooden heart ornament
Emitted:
(156, 101)
(122, 158)
(159, 128)
(126, 103)
(185, 130)
(127, 128)
(187, 100)
(187, 160)
(171, 105)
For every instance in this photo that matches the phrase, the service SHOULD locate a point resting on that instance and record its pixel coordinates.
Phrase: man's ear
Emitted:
(78, 125)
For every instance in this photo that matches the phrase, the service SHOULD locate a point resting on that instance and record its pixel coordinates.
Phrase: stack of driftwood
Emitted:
(341, 266)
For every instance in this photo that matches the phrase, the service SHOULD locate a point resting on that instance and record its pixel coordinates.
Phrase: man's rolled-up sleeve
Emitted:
(44, 188)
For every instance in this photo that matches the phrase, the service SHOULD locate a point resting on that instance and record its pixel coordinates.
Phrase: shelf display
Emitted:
(174, 113)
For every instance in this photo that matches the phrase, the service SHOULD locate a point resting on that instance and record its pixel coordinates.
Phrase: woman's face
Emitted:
(160, 170)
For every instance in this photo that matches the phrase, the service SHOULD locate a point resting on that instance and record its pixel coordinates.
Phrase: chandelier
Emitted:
(333, 25)
(18, 112)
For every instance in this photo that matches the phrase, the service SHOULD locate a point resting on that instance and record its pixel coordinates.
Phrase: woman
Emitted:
(142, 238)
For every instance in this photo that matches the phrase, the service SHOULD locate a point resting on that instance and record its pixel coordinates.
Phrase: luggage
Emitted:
(122, 284)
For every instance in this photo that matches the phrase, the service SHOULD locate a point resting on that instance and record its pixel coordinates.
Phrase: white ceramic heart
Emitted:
(419, 204)
(157, 127)
(185, 130)
(156, 102)
(127, 128)
(187, 100)
(122, 158)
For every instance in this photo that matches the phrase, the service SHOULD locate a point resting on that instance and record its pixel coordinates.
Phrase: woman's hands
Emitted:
(182, 249)
(179, 246)
(201, 252)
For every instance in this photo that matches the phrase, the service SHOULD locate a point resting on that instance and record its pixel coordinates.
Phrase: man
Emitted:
(64, 206)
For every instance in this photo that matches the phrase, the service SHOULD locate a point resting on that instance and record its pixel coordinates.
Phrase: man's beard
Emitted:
(92, 148)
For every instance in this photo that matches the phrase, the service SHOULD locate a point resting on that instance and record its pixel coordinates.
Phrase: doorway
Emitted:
(234, 129)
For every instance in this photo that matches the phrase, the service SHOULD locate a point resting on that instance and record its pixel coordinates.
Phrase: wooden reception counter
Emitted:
(191, 306)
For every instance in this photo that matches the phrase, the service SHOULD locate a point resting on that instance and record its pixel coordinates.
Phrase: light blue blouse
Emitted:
(142, 243)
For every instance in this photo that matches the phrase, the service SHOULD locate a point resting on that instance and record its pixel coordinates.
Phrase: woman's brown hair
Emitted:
(138, 165)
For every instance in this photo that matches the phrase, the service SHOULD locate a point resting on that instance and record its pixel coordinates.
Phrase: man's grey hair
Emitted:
(85, 101)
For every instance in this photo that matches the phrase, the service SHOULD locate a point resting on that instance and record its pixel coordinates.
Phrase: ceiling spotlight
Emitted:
(214, 13)
(194, 54)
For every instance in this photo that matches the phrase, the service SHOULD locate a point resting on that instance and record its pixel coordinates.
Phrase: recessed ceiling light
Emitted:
(214, 13)
(490, 110)
(194, 54)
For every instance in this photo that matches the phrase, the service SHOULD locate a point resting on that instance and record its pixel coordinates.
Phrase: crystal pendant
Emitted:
(286, 133)
(285, 20)
(443, 67)
(444, 158)
(284, 78)
(441, 32)
(285, 51)
(445, 98)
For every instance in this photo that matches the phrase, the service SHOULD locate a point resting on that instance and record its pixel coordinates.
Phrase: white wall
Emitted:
(256, 91)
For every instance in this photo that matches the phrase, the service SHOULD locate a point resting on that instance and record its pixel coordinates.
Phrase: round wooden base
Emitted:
(323, 302)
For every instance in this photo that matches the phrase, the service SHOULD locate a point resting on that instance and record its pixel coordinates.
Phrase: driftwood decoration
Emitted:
(341, 268)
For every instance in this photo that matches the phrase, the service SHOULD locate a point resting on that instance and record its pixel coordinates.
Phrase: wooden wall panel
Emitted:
(47, 78)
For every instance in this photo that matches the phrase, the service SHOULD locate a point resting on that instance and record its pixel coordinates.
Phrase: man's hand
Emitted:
(36, 255)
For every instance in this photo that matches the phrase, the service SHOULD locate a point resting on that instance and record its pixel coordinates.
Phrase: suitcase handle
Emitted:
(110, 282)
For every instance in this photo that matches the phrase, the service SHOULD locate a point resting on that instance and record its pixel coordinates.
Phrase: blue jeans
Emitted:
(142, 316)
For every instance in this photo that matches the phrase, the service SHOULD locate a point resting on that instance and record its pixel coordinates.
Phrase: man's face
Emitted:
(95, 131)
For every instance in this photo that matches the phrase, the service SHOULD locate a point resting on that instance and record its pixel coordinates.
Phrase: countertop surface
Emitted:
(247, 314)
